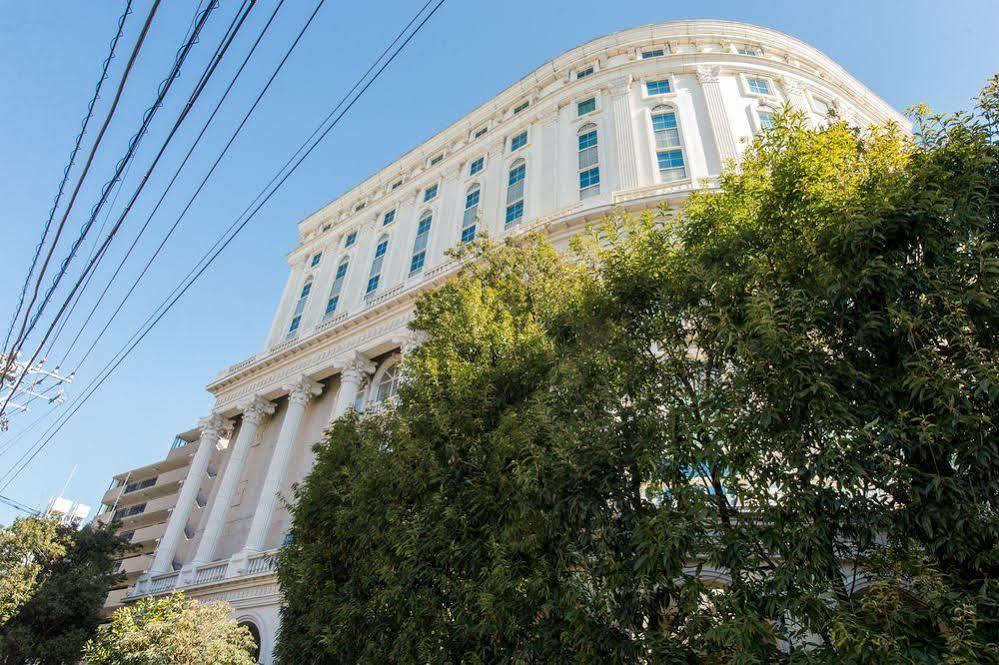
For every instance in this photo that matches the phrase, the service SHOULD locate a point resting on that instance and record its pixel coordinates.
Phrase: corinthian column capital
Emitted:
(303, 390)
(213, 425)
(620, 87)
(708, 73)
(355, 369)
(256, 409)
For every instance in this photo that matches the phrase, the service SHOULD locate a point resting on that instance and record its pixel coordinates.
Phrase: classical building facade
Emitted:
(627, 121)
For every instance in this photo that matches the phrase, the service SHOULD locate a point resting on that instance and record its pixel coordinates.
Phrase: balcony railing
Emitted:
(261, 563)
(140, 485)
(162, 583)
(210, 573)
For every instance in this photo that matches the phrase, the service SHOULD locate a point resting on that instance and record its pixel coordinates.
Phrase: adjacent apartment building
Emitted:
(628, 121)
(142, 499)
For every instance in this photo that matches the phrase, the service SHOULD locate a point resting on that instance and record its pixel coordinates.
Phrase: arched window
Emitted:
(255, 634)
(376, 265)
(337, 287)
(669, 147)
(589, 161)
(387, 385)
(420, 244)
(296, 317)
(471, 217)
(515, 192)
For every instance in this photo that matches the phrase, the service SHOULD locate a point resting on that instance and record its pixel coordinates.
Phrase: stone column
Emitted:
(253, 415)
(299, 395)
(708, 77)
(211, 430)
(351, 377)
(624, 133)
(546, 166)
(493, 198)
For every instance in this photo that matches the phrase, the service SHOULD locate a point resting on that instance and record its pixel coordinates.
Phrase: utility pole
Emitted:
(38, 383)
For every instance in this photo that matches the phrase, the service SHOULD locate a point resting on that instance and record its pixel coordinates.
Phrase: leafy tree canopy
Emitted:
(758, 429)
(171, 630)
(53, 582)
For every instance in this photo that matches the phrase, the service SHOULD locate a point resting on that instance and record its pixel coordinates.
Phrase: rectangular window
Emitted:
(396, 185)
(671, 164)
(476, 166)
(654, 53)
(662, 87)
(583, 73)
(360, 206)
(420, 245)
(335, 289)
(434, 161)
(430, 193)
(376, 266)
(514, 212)
(316, 259)
(293, 329)
(389, 217)
(515, 194)
(749, 50)
(518, 141)
(766, 119)
(586, 106)
(469, 219)
(520, 107)
(666, 130)
(350, 239)
(481, 132)
(588, 149)
(759, 86)
(669, 152)
(589, 178)
(326, 227)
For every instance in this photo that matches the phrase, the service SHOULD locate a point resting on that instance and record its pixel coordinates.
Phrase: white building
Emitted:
(66, 511)
(626, 121)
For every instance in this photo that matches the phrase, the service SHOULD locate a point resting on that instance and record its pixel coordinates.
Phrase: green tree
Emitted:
(53, 582)
(757, 429)
(171, 630)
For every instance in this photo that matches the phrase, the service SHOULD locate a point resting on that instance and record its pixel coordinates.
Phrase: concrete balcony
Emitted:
(147, 537)
(167, 482)
(134, 566)
(115, 599)
(146, 514)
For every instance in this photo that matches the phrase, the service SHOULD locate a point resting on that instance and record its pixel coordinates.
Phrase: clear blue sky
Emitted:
(907, 51)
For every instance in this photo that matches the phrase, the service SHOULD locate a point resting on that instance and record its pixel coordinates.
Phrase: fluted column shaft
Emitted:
(211, 431)
(351, 378)
(624, 134)
(253, 416)
(299, 396)
(720, 125)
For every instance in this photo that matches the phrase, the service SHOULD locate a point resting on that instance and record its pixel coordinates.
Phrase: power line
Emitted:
(339, 104)
(133, 145)
(69, 166)
(83, 174)
(170, 184)
(161, 311)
